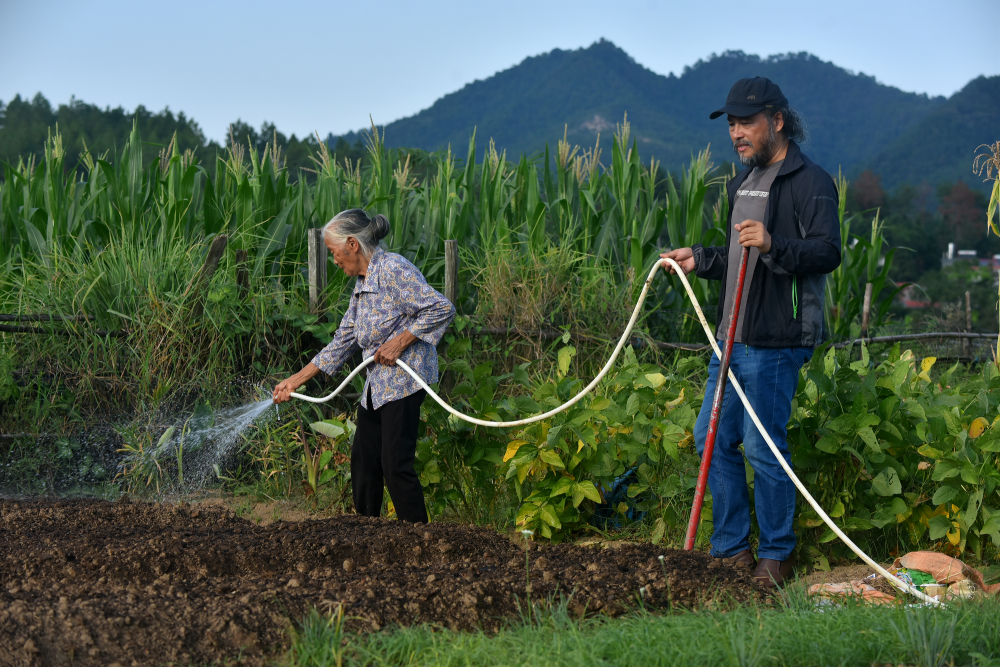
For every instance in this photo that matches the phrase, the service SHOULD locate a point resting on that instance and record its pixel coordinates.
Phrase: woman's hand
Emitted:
(283, 392)
(392, 349)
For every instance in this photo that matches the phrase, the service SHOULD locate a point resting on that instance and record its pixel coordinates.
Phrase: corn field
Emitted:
(614, 215)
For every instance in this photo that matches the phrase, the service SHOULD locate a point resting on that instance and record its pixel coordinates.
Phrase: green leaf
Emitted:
(566, 355)
(324, 458)
(915, 410)
(600, 403)
(462, 366)
(327, 429)
(548, 515)
(944, 469)
(939, 526)
(521, 376)
(527, 404)
(551, 457)
(659, 528)
(944, 494)
(828, 444)
(642, 432)
(844, 424)
(526, 511)
(887, 483)
(165, 438)
(431, 474)
(969, 474)
(953, 422)
(857, 523)
(899, 373)
(929, 452)
(483, 370)
(564, 485)
(827, 536)
(588, 490)
(672, 434)
(899, 505)
(866, 434)
(867, 419)
(632, 405)
(819, 560)
(992, 525)
(656, 380)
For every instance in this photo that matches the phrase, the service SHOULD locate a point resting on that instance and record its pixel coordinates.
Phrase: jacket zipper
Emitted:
(795, 297)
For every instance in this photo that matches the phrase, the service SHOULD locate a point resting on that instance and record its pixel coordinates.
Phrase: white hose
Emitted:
(892, 579)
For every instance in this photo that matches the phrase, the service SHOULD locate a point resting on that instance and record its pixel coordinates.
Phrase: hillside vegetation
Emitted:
(856, 123)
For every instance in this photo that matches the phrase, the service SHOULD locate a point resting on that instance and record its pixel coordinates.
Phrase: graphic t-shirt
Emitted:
(749, 204)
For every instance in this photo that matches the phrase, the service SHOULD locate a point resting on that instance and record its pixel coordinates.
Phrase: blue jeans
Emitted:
(769, 377)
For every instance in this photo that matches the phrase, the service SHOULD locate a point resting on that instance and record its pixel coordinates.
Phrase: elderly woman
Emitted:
(393, 314)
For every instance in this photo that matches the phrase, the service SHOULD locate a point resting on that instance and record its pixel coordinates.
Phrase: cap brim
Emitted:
(740, 110)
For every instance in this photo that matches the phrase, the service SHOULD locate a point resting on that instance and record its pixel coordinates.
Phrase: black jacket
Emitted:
(785, 303)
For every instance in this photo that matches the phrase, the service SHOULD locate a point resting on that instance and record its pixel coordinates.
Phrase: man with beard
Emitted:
(784, 207)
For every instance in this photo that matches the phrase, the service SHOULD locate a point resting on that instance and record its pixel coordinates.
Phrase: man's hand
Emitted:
(753, 234)
(683, 256)
(391, 350)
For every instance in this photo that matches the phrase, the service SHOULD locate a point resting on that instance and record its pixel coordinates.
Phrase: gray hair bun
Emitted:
(355, 223)
(380, 227)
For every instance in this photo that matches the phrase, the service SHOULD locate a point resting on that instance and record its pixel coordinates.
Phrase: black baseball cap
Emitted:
(750, 96)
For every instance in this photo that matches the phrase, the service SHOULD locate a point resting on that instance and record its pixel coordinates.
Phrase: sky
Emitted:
(326, 66)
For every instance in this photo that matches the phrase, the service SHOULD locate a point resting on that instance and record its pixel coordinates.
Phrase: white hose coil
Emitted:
(892, 579)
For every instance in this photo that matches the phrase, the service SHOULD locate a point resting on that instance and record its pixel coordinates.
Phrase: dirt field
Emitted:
(88, 582)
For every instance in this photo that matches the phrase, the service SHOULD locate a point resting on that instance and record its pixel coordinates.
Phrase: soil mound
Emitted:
(89, 582)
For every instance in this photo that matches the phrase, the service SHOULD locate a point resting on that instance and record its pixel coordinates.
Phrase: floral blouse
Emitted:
(393, 296)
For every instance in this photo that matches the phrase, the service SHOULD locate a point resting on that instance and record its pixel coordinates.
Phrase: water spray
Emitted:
(663, 263)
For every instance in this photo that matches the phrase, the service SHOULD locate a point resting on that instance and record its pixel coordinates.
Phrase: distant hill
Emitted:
(941, 146)
(26, 124)
(855, 122)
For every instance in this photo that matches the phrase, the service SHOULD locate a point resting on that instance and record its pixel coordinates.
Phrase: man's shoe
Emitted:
(771, 573)
(742, 559)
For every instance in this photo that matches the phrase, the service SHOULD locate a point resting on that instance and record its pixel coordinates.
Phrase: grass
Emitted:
(794, 632)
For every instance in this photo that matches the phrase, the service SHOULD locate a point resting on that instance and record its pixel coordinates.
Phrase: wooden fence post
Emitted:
(451, 270)
(317, 270)
(968, 324)
(242, 274)
(204, 277)
(866, 310)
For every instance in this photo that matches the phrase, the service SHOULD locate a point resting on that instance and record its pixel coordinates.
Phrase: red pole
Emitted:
(720, 390)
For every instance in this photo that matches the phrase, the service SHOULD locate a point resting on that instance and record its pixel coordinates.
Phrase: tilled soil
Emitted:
(89, 582)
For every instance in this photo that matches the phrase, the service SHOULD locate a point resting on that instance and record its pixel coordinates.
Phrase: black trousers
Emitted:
(384, 446)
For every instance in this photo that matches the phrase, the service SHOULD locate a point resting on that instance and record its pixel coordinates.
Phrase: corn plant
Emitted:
(862, 260)
(990, 163)
(688, 223)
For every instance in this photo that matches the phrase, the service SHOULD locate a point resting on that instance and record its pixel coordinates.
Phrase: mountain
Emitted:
(855, 122)
(940, 146)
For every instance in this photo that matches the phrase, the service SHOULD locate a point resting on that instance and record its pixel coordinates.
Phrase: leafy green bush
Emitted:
(559, 469)
(879, 445)
(886, 445)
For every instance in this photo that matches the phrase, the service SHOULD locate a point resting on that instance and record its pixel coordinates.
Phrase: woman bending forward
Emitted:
(393, 314)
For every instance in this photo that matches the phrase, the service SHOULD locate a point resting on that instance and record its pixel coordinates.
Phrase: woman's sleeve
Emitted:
(343, 345)
(432, 312)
